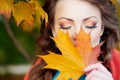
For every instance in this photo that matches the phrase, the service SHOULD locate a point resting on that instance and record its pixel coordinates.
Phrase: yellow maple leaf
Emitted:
(67, 67)
(5, 7)
(39, 12)
(23, 11)
(70, 63)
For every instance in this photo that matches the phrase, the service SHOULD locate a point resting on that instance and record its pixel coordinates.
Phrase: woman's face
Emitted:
(72, 15)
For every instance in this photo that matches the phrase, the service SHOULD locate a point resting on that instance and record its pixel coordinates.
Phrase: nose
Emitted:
(78, 26)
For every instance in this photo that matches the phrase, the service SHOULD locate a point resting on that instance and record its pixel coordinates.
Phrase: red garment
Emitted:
(114, 65)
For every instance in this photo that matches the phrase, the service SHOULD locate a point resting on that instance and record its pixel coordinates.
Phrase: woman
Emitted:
(97, 17)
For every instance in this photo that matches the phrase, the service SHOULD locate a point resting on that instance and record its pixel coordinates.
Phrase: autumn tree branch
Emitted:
(15, 41)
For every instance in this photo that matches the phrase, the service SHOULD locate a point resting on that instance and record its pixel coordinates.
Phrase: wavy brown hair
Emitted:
(45, 43)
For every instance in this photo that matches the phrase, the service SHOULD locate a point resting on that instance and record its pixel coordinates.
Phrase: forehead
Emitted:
(78, 9)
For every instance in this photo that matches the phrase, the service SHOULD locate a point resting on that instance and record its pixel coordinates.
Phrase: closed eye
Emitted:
(90, 27)
(65, 27)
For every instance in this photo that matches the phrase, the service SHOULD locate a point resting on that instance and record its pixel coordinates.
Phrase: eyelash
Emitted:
(90, 27)
(61, 27)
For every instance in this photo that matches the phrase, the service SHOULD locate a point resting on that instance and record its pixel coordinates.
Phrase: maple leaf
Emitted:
(88, 53)
(74, 58)
(94, 54)
(39, 12)
(5, 7)
(70, 63)
(23, 11)
(83, 45)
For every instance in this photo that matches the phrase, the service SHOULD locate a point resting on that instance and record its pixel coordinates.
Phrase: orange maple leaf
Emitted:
(5, 7)
(83, 45)
(89, 54)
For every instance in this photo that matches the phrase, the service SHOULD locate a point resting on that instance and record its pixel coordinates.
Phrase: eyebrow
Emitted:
(66, 19)
(89, 18)
(73, 20)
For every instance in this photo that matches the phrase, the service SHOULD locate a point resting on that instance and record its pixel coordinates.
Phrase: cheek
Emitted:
(54, 31)
(86, 29)
(95, 37)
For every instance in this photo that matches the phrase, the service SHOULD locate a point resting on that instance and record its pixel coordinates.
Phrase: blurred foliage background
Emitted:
(9, 53)
(17, 43)
(19, 27)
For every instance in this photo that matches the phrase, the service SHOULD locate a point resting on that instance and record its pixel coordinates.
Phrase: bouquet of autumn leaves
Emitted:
(74, 59)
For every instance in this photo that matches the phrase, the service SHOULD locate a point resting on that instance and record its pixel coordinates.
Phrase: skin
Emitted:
(71, 16)
(78, 18)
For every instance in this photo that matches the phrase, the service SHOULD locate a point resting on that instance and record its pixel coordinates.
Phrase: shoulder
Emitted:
(115, 64)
